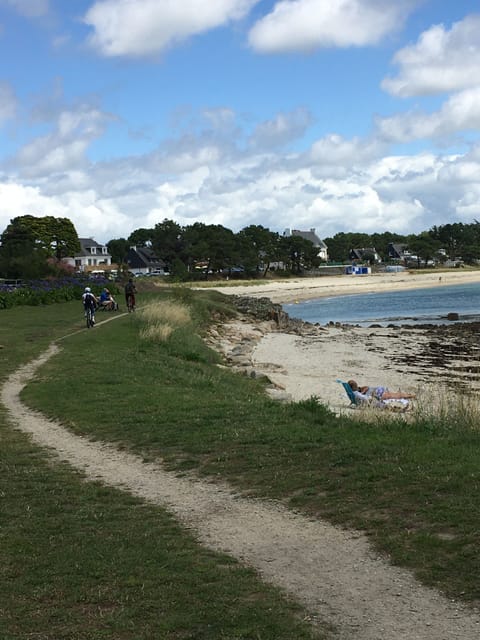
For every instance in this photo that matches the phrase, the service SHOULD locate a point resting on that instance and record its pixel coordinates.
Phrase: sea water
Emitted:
(414, 306)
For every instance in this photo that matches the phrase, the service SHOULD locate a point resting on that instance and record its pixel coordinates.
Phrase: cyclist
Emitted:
(89, 302)
(130, 291)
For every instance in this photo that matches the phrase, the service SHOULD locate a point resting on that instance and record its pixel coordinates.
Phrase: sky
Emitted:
(333, 115)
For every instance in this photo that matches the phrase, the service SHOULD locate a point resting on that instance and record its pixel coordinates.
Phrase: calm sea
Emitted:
(418, 306)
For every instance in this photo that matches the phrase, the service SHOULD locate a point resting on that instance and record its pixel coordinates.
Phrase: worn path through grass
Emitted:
(84, 560)
(333, 573)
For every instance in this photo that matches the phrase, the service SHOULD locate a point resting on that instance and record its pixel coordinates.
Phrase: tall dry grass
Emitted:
(449, 408)
(161, 319)
(433, 405)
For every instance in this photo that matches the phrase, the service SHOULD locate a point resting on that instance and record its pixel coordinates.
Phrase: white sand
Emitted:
(296, 289)
(309, 365)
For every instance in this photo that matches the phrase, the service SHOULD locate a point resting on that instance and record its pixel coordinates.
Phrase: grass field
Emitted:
(412, 487)
(83, 561)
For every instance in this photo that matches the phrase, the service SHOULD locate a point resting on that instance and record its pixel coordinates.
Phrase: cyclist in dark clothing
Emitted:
(130, 291)
(90, 302)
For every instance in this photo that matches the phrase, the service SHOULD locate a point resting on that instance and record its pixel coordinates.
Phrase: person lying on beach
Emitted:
(379, 393)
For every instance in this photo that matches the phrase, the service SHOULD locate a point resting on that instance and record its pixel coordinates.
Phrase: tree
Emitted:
(141, 237)
(213, 245)
(258, 245)
(60, 236)
(341, 244)
(299, 253)
(118, 249)
(168, 242)
(28, 242)
(424, 246)
(57, 237)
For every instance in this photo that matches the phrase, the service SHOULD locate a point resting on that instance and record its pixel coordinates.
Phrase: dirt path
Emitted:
(334, 574)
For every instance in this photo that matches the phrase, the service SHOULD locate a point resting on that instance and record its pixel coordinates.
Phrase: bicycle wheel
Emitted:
(89, 318)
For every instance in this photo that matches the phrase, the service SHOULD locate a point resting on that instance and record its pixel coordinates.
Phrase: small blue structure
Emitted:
(354, 270)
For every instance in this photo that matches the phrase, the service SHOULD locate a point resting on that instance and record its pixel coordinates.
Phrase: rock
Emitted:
(240, 361)
(453, 316)
(257, 375)
(279, 395)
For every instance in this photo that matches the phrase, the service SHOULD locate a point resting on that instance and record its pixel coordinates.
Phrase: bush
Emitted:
(42, 292)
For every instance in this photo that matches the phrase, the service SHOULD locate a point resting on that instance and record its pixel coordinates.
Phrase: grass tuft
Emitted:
(172, 313)
(156, 332)
(161, 319)
(448, 410)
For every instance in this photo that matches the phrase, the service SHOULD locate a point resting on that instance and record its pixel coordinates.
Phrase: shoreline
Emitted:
(301, 289)
(437, 362)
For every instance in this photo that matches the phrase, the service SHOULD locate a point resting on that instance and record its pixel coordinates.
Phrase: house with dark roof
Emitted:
(366, 254)
(314, 239)
(142, 261)
(92, 256)
(398, 252)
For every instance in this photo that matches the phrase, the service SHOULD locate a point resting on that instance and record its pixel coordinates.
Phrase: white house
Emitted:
(91, 257)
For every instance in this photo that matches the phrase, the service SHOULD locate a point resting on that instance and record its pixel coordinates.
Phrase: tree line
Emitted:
(32, 247)
(455, 241)
(198, 249)
(257, 248)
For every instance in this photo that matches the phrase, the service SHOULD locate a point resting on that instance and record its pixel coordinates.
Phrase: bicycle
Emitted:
(130, 299)
(89, 317)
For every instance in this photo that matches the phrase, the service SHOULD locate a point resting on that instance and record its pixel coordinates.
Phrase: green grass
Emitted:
(80, 560)
(83, 561)
(412, 487)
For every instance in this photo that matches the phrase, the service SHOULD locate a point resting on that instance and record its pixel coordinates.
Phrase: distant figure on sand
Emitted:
(379, 393)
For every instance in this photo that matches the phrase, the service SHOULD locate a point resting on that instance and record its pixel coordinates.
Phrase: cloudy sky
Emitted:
(338, 115)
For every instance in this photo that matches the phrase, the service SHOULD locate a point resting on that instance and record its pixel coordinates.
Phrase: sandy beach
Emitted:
(297, 289)
(436, 363)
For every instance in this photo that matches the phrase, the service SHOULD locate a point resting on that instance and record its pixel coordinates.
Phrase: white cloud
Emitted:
(305, 25)
(284, 128)
(334, 150)
(222, 120)
(8, 103)
(91, 216)
(29, 8)
(63, 149)
(148, 27)
(339, 184)
(441, 61)
(461, 112)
